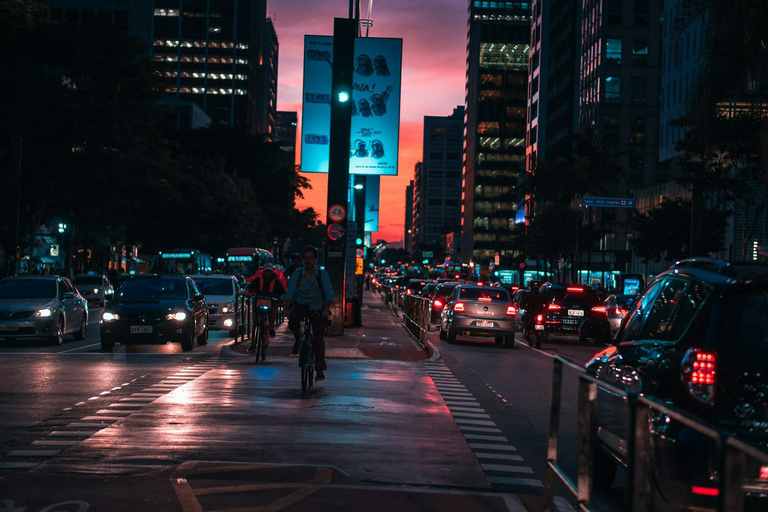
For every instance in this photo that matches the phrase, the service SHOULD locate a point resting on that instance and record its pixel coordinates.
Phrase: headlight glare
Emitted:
(109, 317)
(179, 316)
(44, 313)
(228, 307)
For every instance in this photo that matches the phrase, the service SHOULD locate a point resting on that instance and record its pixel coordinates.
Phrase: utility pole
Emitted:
(344, 32)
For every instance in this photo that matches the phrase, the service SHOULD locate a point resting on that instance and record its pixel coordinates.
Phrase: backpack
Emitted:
(318, 276)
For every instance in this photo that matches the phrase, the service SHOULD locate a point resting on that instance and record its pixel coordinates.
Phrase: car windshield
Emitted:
(417, 285)
(153, 289)
(745, 322)
(215, 286)
(27, 289)
(484, 293)
(444, 291)
(87, 280)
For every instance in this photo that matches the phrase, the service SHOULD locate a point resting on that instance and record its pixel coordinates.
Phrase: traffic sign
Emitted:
(337, 212)
(335, 232)
(609, 202)
(359, 252)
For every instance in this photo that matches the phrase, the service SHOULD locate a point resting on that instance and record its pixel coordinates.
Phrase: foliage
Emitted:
(664, 232)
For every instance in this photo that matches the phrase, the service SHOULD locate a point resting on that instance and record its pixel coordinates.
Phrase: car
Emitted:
(478, 311)
(95, 288)
(437, 302)
(154, 309)
(428, 290)
(696, 339)
(519, 302)
(574, 310)
(414, 286)
(220, 292)
(616, 308)
(49, 307)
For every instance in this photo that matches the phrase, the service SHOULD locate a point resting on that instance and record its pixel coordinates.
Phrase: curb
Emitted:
(435, 352)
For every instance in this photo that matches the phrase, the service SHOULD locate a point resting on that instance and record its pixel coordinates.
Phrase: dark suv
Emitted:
(698, 339)
(572, 310)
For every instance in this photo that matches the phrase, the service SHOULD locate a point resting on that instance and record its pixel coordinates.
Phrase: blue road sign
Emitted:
(610, 202)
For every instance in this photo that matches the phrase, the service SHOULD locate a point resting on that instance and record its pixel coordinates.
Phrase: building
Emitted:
(439, 180)
(498, 43)
(264, 91)
(134, 16)
(213, 53)
(408, 229)
(287, 123)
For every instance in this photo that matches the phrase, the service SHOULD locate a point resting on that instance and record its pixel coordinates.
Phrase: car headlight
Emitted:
(228, 307)
(44, 313)
(179, 316)
(110, 317)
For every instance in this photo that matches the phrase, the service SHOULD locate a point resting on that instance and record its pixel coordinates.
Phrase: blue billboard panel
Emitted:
(372, 203)
(375, 109)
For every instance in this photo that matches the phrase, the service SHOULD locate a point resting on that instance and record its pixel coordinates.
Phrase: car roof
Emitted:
(720, 272)
(211, 276)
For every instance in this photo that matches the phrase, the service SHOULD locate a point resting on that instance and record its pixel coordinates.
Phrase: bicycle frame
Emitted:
(307, 355)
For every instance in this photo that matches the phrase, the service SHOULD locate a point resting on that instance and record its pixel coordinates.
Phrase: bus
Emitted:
(245, 261)
(184, 261)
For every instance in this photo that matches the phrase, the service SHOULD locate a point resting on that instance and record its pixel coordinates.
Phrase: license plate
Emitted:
(539, 327)
(575, 312)
(9, 327)
(481, 323)
(141, 329)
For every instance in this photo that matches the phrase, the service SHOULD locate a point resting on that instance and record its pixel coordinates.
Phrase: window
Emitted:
(638, 90)
(613, 51)
(636, 316)
(612, 89)
(690, 304)
(658, 325)
(640, 51)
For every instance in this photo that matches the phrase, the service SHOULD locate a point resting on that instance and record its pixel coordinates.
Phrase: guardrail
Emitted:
(416, 318)
(388, 296)
(731, 453)
(245, 315)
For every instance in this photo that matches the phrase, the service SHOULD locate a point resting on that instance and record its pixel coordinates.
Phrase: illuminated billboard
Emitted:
(372, 203)
(373, 147)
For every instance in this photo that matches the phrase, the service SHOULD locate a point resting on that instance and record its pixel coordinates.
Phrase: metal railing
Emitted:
(731, 453)
(416, 318)
(245, 315)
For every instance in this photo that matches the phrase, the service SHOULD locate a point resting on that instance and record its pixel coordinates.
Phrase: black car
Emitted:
(697, 339)
(155, 310)
(572, 310)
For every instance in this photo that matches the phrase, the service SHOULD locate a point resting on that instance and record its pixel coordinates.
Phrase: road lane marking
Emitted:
(78, 348)
(488, 430)
(54, 442)
(503, 468)
(480, 437)
(529, 482)
(486, 446)
(470, 414)
(32, 453)
(18, 465)
(475, 422)
(498, 456)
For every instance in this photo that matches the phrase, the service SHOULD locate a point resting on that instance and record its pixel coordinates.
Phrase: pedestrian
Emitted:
(295, 263)
(309, 293)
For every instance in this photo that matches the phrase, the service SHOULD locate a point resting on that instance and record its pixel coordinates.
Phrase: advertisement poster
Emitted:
(372, 203)
(375, 109)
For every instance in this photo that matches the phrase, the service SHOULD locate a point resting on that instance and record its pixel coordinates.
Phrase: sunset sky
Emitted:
(434, 34)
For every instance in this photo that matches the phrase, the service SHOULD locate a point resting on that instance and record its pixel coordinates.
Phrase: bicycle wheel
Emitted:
(257, 341)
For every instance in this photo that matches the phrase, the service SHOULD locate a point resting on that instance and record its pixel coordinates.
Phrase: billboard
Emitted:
(372, 203)
(373, 147)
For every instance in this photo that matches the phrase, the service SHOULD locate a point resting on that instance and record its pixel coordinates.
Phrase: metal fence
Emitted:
(731, 453)
(245, 315)
(416, 318)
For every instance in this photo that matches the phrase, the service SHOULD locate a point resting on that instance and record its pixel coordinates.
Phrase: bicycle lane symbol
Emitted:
(62, 506)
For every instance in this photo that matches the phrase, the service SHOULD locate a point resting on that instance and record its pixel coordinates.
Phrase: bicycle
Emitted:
(263, 306)
(307, 355)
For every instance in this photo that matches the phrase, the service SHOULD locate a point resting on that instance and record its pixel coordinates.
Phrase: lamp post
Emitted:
(62, 253)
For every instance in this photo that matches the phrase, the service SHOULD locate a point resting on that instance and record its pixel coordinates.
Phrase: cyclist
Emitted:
(309, 293)
(295, 263)
(268, 284)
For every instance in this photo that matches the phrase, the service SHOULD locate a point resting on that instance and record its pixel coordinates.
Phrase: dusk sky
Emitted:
(434, 34)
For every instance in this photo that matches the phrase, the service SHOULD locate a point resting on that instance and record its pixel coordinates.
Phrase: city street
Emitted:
(392, 425)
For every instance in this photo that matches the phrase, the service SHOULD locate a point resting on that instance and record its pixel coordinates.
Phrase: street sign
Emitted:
(359, 252)
(337, 212)
(335, 232)
(496, 258)
(609, 202)
(358, 266)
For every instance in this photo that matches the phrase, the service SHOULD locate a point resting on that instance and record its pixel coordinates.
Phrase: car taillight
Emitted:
(763, 472)
(599, 309)
(437, 303)
(511, 311)
(539, 319)
(459, 307)
(408, 292)
(698, 375)
(554, 307)
(705, 491)
(621, 312)
(484, 299)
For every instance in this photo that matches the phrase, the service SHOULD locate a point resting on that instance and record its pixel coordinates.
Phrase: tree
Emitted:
(664, 232)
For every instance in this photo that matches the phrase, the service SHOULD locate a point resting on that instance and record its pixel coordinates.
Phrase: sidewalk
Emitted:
(382, 336)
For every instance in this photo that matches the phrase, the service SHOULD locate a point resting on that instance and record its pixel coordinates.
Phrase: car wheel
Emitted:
(540, 338)
(203, 338)
(442, 333)
(509, 341)
(188, 343)
(583, 339)
(107, 345)
(451, 336)
(499, 340)
(83, 331)
(57, 337)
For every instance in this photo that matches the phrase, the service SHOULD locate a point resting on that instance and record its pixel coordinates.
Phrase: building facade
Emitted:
(498, 43)
(408, 228)
(287, 123)
(213, 54)
(439, 180)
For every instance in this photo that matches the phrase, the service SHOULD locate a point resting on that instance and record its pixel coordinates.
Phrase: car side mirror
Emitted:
(67, 295)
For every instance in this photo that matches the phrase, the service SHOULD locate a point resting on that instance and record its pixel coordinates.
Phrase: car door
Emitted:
(198, 306)
(69, 304)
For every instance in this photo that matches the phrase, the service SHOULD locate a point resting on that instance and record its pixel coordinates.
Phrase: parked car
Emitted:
(220, 292)
(572, 310)
(42, 307)
(616, 308)
(152, 309)
(478, 311)
(437, 302)
(95, 288)
(697, 339)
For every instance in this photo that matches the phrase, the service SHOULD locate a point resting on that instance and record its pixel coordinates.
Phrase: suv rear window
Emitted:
(745, 321)
(577, 294)
(487, 293)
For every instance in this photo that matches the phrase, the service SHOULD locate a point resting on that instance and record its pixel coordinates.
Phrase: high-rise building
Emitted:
(498, 41)
(265, 90)
(408, 228)
(439, 179)
(213, 53)
(135, 16)
(286, 133)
